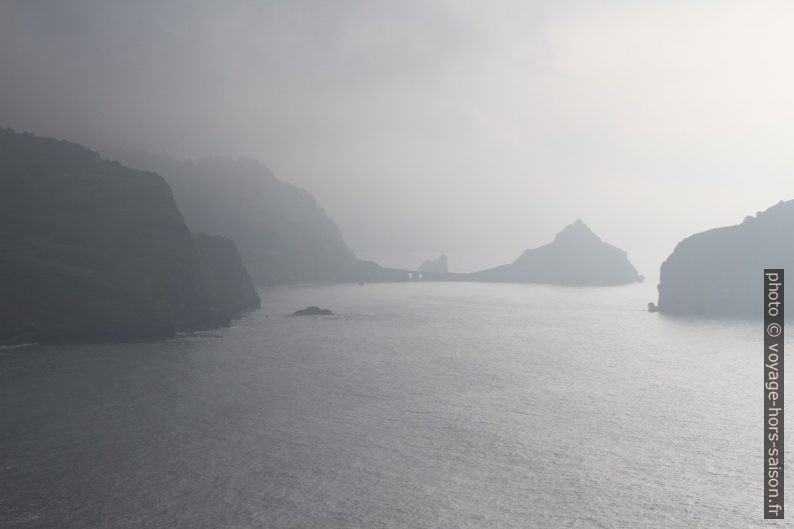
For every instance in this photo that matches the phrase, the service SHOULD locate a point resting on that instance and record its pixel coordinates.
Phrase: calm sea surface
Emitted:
(417, 406)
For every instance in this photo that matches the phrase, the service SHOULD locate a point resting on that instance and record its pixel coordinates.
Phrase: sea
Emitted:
(416, 405)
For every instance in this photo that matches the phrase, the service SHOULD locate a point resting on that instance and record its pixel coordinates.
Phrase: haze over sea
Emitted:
(418, 405)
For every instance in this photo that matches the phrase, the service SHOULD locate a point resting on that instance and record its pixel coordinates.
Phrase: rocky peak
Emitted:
(577, 233)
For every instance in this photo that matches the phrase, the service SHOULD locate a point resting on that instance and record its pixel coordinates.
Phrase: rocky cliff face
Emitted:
(436, 266)
(282, 234)
(720, 272)
(92, 250)
(225, 275)
(577, 257)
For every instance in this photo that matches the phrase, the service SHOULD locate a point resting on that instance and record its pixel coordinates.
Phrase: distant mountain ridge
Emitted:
(719, 272)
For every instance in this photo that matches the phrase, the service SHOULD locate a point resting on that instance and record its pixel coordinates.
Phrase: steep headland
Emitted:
(719, 272)
(93, 250)
(435, 266)
(283, 235)
(577, 257)
(224, 274)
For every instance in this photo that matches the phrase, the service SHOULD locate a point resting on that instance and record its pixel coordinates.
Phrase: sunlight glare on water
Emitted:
(414, 406)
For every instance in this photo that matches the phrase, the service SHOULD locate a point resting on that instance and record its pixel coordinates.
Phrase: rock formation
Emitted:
(223, 272)
(437, 266)
(719, 272)
(313, 311)
(282, 234)
(577, 257)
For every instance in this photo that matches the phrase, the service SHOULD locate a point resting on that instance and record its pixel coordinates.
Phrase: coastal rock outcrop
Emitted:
(576, 257)
(435, 266)
(313, 311)
(719, 272)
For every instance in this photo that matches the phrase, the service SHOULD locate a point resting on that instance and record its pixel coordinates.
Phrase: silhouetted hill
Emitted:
(720, 272)
(576, 257)
(282, 234)
(437, 266)
(93, 250)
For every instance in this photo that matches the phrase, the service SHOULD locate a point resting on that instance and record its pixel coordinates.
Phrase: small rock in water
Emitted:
(313, 311)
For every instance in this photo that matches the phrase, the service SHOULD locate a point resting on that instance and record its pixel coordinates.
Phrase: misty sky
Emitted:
(473, 128)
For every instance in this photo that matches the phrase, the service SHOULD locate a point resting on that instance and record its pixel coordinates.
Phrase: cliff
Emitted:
(577, 257)
(282, 234)
(92, 250)
(719, 272)
(223, 272)
(437, 266)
